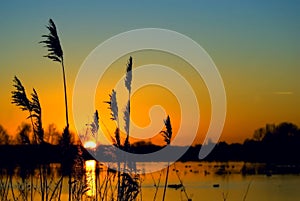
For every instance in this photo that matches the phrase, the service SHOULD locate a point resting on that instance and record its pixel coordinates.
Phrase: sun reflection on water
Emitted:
(90, 175)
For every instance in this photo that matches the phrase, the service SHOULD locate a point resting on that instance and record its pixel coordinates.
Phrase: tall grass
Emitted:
(19, 98)
(55, 53)
(33, 106)
(128, 80)
(113, 106)
(127, 185)
(167, 134)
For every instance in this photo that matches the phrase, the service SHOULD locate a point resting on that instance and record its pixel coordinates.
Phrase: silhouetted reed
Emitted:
(167, 134)
(33, 106)
(55, 53)
(19, 98)
(128, 80)
(127, 186)
(113, 106)
(37, 115)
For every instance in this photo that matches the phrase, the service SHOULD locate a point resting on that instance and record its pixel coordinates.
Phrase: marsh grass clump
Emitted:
(127, 185)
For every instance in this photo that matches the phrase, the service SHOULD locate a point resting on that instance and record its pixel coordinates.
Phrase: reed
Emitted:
(127, 185)
(55, 53)
(113, 106)
(167, 134)
(19, 98)
(128, 80)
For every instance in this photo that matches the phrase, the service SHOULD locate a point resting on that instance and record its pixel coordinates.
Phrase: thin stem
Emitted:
(67, 120)
(55, 188)
(65, 90)
(156, 186)
(12, 188)
(247, 190)
(166, 182)
(31, 187)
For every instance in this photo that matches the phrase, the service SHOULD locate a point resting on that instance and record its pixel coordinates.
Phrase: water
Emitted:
(218, 181)
(201, 181)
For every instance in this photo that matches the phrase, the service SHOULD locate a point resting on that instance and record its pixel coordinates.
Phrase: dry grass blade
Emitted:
(52, 43)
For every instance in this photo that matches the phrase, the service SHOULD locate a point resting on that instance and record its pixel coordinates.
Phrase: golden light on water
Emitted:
(90, 145)
(90, 174)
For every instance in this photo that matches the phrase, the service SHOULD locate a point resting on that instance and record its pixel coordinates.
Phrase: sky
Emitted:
(255, 46)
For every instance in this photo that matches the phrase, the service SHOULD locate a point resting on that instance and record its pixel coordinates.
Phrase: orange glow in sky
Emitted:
(254, 45)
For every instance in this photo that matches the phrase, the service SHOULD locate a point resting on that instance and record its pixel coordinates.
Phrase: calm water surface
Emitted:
(209, 181)
(201, 180)
(233, 186)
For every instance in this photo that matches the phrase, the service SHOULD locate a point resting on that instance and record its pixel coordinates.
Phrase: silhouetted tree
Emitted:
(274, 143)
(4, 137)
(23, 134)
(52, 135)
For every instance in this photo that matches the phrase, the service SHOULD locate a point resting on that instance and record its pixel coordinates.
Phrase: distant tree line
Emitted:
(278, 144)
(24, 135)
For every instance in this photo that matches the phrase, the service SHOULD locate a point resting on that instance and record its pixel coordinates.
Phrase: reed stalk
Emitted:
(55, 53)
(167, 134)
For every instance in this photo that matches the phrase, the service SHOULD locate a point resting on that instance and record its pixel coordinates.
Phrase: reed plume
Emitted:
(52, 43)
(55, 53)
(19, 97)
(128, 78)
(167, 134)
(37, 115)
(113, 107)
(95, 124)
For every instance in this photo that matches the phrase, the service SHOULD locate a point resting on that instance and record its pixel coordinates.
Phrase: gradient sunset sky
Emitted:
(254, 44)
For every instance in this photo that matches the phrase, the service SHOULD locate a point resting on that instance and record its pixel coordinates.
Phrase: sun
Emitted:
(90, 145)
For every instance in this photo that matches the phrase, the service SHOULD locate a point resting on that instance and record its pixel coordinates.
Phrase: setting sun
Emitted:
(90, 145)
